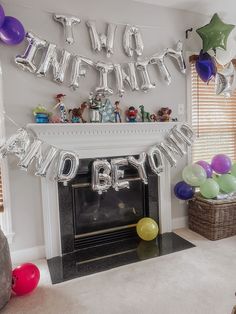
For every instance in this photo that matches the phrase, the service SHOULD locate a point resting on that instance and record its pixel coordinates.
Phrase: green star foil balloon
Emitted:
(215, 34)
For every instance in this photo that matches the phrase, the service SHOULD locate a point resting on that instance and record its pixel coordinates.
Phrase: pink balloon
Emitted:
(25, 278)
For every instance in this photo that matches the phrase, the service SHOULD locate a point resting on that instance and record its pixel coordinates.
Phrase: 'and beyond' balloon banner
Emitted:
(59, 60)
(62, 166)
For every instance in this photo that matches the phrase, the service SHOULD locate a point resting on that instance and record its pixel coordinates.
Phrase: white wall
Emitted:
(23, 91)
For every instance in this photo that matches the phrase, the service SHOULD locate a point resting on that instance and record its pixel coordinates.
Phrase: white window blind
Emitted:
(213, 120)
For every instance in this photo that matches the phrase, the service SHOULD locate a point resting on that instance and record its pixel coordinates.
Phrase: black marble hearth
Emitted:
(96, 259)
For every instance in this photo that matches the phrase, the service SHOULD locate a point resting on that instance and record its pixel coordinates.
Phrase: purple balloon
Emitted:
(12, 31)
(221, 163)
(206, 167)
(2, 16)
(183, 191)
(205, 66)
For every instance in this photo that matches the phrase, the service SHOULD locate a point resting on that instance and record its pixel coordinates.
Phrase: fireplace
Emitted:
(71, 248)
(101, 219)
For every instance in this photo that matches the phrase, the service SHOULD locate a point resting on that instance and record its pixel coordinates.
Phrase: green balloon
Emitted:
(227, 183)
(194, 175)
(215, 34)
(233, 170)
(210, 188)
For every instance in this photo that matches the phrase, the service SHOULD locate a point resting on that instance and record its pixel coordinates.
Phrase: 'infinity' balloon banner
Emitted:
(62, 165)
(59, 60)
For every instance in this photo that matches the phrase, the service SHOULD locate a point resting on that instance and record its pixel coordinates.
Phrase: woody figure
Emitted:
(60, 104)
(117, 112)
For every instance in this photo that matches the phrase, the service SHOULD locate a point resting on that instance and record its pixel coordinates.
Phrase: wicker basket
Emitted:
(213, 219)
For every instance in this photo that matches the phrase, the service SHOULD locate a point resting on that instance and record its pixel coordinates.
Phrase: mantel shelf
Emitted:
(103, 139)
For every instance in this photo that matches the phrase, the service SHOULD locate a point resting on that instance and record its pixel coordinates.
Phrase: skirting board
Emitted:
(27, 255)
(181, 222)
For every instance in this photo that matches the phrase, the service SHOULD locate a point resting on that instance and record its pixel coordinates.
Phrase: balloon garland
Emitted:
(62, 165)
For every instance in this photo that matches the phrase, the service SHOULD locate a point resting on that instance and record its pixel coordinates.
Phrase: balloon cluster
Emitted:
(11, 30)
(215, 36)
(212, 179)
(25, 278)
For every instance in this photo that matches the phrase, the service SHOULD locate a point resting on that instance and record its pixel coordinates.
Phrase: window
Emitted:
(213, 119)
(1, 194)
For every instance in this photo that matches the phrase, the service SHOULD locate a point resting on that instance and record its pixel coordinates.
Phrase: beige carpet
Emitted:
(200, 280)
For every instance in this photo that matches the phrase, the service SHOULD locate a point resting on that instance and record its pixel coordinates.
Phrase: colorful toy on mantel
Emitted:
(77, 113)
(117, 112)
(132, 114)
(62, 107)
(145, 116)
(41, 114)
(164, 114)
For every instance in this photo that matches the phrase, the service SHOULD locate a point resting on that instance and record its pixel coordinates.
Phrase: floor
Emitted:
(200, 280)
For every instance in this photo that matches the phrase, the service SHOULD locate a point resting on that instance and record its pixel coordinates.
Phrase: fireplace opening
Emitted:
(112, 216)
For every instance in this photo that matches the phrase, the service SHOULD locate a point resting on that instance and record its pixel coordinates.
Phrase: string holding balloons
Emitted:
(12, 31)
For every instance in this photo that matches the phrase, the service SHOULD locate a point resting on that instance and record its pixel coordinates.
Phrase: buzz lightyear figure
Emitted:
(96, 105)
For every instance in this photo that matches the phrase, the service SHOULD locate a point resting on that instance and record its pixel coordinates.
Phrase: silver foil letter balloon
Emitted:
(46, 161)
(67, 21)
(104, 69)
(178, 56)
(142, 66)
(118, 174)
(17, 144)
(26, 61)
(78, 70)
(122, 77)
(100, 41)
(50, 59)
(167, 152)
(67, 166)
(101, 178)
(34, 152)
(139, 164)
(132, 32)
(155, 160)
(159, 60)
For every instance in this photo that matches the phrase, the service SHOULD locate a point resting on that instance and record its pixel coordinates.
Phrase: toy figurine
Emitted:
(60, 104)
(153, 117)
(77, 113)
(145, 116)
(117, 112)
(41, 114)
(132, 114)
(107, 111)
(164, 114)
(95, 107)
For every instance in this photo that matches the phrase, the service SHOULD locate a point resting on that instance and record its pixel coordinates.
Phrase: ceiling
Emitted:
(226, 8)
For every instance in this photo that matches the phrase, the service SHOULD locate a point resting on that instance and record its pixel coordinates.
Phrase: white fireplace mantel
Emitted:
(100, 140)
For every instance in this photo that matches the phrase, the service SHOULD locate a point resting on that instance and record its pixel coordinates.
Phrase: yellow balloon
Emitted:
(147, 229)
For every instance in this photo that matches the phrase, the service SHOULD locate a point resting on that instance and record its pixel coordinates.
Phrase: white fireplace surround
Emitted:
(100, 140)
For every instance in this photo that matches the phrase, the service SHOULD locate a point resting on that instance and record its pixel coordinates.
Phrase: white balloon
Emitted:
(223, 57)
